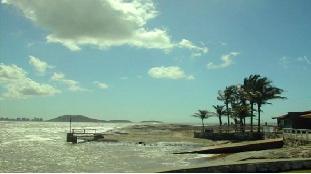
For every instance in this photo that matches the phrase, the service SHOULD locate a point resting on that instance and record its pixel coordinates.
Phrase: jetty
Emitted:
(239, 147)
(83, 134)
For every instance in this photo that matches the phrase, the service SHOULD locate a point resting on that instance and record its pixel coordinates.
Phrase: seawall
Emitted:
(273, 165)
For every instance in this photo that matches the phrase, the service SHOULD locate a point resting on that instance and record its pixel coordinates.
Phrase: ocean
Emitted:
(42, 147)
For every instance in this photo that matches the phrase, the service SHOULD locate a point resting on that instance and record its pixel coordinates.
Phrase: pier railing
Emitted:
(301, 136)
(84, 134)
(84, 131)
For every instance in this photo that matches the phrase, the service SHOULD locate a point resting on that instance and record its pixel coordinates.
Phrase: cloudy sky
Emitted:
(148, 60)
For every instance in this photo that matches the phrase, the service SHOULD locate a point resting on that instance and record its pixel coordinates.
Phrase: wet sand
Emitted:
(153, 133)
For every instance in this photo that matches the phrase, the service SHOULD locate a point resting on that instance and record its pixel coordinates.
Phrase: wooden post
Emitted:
(71, 138)
(70, 123)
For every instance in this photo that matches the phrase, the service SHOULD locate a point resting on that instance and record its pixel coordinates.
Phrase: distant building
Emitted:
(295, 120)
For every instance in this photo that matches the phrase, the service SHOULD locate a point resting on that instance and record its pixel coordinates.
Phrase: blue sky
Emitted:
(149, 60)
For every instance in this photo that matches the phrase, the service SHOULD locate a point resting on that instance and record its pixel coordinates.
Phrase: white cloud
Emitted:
(100, 23)
(284, 61)
(124, 78)
(287, 62)
(101, 85)
(14, 79)
(103, 23)
(38, 64)
(170, 72)
(71, 84)
(304, 59)
(197, 51)
(226, 61)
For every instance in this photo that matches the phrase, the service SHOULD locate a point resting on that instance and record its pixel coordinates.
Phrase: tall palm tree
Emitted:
(219, 111)
(265, 91)
(226, 97)
(249, 86)
(203, 114)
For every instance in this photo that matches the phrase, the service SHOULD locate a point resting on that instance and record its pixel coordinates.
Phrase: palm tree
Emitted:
(265, 92)
(241, 111)
(219, 111)
(202, 114)
(226, 96)
(249, 85)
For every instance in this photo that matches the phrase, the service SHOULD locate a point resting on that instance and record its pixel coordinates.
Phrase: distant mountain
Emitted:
(151, 121)
(74, 118)
(82, 118)
(118, 121)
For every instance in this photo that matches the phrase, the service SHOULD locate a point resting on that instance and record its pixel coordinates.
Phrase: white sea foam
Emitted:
(41, 147)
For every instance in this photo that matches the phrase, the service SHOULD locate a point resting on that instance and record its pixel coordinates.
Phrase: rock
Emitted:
(142, 143)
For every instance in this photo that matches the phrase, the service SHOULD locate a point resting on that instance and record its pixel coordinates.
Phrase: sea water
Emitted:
(42, 147)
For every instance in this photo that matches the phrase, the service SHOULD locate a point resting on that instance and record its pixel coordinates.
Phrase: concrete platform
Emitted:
(273, 165)
(239, 147)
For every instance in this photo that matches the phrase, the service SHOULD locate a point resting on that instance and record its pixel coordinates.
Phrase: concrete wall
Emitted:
(230, 136)
(251, 167)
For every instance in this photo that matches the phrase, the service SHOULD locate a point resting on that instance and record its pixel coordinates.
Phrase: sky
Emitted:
(149, 60)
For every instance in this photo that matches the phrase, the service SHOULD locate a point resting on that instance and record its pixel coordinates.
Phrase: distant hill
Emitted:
(151, 121)
(82, 118)
(74, 118)
(118, 121)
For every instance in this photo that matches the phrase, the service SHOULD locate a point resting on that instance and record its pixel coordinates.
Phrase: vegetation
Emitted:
(203, 114)
(220, 112)
(240, 100)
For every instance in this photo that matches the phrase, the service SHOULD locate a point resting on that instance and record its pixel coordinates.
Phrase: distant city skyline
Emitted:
(149, 60)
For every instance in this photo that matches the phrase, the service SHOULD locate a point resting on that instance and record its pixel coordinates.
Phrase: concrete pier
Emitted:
(83, 134)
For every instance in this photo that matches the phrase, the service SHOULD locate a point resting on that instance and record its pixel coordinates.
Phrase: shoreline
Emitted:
(153, 133)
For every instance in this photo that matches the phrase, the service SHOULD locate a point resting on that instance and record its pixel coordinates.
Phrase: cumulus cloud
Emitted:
(14, 79)
(170, 72)
(101, 85)
(101, 23)
(197, 51)
(71, 84)
(38, 64)
(227, 60)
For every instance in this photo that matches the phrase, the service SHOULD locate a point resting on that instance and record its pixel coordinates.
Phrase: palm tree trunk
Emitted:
(203, 127)
(258, 106)
(241, 124)
(220, 121)
(252, 112)
(227, 108)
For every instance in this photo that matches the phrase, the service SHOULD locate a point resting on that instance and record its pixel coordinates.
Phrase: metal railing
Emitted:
(83, 131)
